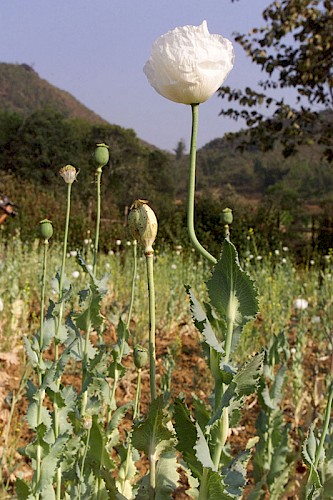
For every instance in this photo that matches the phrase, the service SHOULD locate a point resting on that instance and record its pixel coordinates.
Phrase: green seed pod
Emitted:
(45, 229)
(101, 154)
(142, 224)
(227, 216)
(68, 173)
(140, 356)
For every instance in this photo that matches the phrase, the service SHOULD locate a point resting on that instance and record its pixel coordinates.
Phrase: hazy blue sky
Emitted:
(96, 49)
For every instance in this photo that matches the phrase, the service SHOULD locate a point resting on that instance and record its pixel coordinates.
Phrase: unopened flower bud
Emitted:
(142, 224)
(68, 173)
(45, 229)
(140, 356)
(227, 216)
(87, 422)
(101, 154)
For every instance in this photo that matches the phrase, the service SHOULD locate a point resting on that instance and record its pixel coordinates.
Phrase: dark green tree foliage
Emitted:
(294, 50)
(34, 148)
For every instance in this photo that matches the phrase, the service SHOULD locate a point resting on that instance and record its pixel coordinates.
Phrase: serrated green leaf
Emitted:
(118, 415)
(202, 323)
(32, 416)
(48, 493)
(248, 375)
(309, 448)
(187, 437)
(49, 463)
(91, 301)
(202, 450)
(153, 434)
(97, 452)
(201, 412)
(216, 488)
(32, 355)
(235, 476)
(126, 471)
(22, 489)
(232, 293)
(276, 391)
(166, 475)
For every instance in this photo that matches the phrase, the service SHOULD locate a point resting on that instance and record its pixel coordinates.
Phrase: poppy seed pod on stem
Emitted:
(142, 224)
(101, 154)
(188, 64)
(140, 356)
(45, 229)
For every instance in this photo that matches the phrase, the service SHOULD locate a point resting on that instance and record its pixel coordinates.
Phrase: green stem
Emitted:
(203, 492)
(136, 413)
(60, 315)
(191, 188)
(224, 423)
(325, 426)
(85, 451)
(98, 216)
(152, 353)
(40, 359)
(122, 346)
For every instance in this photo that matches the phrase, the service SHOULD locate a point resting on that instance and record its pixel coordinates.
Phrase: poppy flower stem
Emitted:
(191, 188)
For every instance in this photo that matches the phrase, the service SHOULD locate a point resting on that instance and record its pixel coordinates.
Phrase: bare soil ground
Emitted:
(189, 375)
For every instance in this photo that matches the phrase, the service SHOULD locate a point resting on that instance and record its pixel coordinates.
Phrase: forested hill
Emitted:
(43, 128)
(23, 91)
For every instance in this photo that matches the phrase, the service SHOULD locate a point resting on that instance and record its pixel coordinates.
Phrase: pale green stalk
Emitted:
(191, 187)
(122, 346)
(152, 351)
(41, 341)
(61, 310)
(98, 216)
(86, 447)
(325, 426)
(224, 425)
(136, 413)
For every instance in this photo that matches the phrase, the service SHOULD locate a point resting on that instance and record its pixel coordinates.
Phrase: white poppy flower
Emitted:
(188, 64)
(300, 304)
(75, 274)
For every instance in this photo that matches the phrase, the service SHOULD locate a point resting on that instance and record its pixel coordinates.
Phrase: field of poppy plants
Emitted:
(176, 374)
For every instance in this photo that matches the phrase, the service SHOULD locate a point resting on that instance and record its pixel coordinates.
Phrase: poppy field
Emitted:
(142, 374)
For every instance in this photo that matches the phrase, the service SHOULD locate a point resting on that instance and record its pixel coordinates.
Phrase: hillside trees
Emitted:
(294, 51)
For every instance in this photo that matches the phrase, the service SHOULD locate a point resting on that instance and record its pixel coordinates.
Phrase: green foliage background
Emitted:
(289, 200)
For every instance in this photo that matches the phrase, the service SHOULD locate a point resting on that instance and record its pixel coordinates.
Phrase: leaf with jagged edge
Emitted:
(32, 416)
(22, 489)
(309, 449)
(126, 470)
(202, 450)
(247, 377)
(202, 323)
(77, 343)
(234, 477)
(187, 436)
(201, 412)
(167, 476)
(90, 301)
(152, 433)
(49, 454)
(232, 293)
(272, 396)
(244, 382)
(97, 452)
(48, 493)
(118, 415)
(216, 489)
(31, 353)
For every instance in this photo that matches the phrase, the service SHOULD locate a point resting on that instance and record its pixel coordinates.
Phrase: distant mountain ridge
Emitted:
(22, 90)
